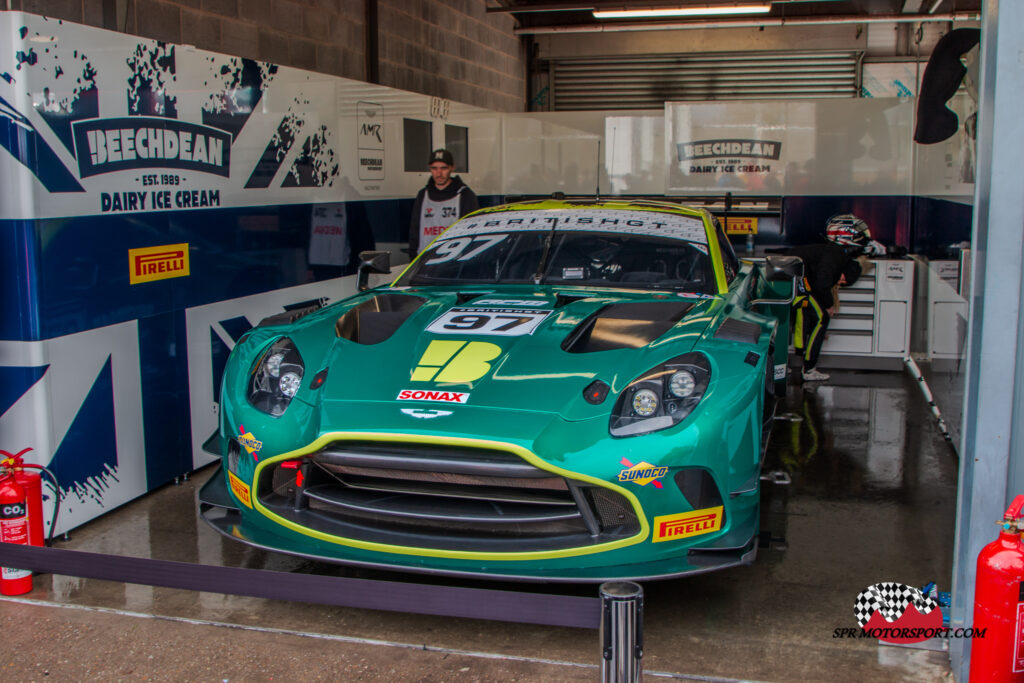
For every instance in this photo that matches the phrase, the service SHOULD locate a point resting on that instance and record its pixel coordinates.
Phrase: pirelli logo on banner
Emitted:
(740, 226)
(685, 524)
(158, 263)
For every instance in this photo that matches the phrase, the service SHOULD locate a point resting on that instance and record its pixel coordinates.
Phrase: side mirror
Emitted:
(777, 268)
(372, 262)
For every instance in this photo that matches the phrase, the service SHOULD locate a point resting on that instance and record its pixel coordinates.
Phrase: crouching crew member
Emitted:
(826, 266)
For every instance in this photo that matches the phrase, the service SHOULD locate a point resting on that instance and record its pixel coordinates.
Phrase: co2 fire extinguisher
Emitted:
(28, 478)
(13, 529)
(998, 655)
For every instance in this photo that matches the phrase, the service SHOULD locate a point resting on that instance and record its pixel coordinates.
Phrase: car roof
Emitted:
(596, 203)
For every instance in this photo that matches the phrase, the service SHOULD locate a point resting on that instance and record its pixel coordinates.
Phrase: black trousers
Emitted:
(810, 322)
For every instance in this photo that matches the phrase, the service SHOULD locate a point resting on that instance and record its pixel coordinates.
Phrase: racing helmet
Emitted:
(847, 230)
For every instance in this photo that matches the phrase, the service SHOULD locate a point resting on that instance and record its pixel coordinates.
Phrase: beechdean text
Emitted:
(140, 142)
(713, 149)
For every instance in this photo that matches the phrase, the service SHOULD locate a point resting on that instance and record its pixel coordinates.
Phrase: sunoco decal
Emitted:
(250, 443)
(642, 473)
(158, 263)
(686, 524)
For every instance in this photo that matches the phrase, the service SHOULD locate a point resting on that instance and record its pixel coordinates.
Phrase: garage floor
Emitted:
(872, 499)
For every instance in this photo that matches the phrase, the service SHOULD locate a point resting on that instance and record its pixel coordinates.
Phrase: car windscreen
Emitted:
(597, 248)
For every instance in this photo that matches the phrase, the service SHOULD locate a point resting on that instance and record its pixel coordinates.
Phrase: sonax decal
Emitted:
(158, 263)
(686, 524)
(240, 490)
(425, 395)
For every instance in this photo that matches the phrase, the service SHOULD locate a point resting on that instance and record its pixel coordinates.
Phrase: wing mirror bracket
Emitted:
(372, 262)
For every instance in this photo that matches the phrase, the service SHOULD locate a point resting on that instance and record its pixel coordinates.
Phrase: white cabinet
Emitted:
(874, 316)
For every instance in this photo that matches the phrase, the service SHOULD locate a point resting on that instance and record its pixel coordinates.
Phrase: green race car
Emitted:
(552, 390)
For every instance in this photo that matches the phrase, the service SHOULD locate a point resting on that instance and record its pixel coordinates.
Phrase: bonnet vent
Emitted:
(625, 326)
(377, 318)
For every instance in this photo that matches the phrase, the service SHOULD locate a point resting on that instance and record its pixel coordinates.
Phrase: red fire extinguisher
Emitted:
(13, 529)
(30, 480)
(998, 655)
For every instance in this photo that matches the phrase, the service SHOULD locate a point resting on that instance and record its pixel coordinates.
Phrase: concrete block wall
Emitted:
(443, 48)
(453, 49)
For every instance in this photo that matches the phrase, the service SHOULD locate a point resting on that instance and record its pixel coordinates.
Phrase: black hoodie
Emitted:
(823, 264)
(467, 202)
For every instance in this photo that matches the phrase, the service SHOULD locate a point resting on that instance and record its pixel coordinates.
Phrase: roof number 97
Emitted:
(501, 322)
(453, 249)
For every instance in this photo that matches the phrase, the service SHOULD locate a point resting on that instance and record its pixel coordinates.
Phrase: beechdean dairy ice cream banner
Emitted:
(125, 124)
(821, 147)
(96, 122)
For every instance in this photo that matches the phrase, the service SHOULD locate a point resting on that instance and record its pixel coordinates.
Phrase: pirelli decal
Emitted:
(158, 263)
(686, 524)
(240, 489)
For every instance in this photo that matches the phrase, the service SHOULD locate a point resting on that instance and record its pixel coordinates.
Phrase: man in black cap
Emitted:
(443, 201)
(826, 266)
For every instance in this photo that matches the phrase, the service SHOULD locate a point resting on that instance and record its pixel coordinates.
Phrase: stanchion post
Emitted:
(622, 629)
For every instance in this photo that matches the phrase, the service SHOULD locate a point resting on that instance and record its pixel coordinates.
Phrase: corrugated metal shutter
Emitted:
(646, 82)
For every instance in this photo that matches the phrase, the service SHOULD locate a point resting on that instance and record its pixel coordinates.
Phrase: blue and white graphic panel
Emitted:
(76, 401)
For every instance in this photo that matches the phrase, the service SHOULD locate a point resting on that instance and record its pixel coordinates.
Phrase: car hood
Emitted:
(426, 350)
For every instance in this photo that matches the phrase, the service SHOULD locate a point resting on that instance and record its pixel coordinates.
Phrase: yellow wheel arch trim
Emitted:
(524, 453)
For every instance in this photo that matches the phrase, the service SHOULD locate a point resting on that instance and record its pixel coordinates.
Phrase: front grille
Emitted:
(443, 497)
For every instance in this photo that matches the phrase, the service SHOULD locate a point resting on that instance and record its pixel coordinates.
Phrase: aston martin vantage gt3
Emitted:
(552, 390)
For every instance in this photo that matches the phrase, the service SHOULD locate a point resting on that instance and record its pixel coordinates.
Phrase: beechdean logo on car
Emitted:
(107, 145)
(897, 613)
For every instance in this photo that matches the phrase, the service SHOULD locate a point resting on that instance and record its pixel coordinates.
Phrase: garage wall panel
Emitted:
(452, 50)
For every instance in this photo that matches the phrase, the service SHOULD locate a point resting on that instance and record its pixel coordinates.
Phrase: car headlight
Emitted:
(661, 397)
(276, 378)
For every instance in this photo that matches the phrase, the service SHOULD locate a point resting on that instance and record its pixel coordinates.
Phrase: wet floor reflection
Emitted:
(872, 499)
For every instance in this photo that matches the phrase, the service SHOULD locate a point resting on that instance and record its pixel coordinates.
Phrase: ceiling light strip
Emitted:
(691, 11)
(748, 23)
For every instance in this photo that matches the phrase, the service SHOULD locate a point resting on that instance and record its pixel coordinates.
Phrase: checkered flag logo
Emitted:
(891, 599)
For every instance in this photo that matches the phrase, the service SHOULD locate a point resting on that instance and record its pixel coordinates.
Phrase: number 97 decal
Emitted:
(504, 322)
